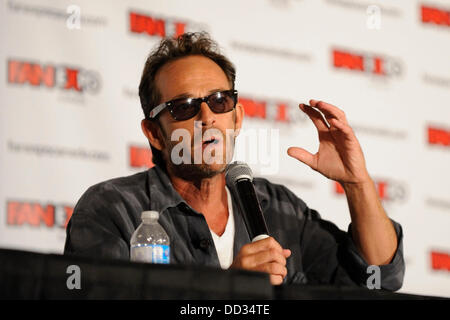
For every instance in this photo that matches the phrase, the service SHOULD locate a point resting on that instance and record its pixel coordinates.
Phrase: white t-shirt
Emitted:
(224, 244)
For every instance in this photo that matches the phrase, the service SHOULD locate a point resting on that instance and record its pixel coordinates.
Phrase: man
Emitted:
(188, 86)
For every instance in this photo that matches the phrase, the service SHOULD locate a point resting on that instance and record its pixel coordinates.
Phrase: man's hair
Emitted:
(170, 49)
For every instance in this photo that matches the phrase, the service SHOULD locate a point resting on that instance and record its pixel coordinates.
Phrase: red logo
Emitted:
(160, 27)
(35, 214)
(440, 261)
(435, 16)
(140, 157)
(272, 110)
(387, 190)
(438, 136)
(367, 63)
(52, 76)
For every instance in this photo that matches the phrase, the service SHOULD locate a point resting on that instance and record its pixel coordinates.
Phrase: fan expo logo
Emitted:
(272, 110)
(35, 214)
(140, 157)
(368, 63)
(433, 15)
(440, 261)
(63, 77)
(161, 27)
(388, 190)
(438, 136)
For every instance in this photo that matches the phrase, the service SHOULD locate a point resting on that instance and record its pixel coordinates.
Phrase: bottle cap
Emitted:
(150, 215)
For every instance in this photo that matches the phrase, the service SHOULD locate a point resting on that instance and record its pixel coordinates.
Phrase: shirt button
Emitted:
(205, 243)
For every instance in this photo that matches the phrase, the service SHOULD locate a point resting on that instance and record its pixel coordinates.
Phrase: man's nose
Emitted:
(206, 116)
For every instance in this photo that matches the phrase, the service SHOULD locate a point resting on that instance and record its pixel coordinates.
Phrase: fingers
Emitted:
(315, 116)
(335, 121)
(261, 259)
(340, 125)
(265, 255)
(330, 111)
(303, 156)
(261, 245)
(274, 269)
(276, 280)
(287, 253)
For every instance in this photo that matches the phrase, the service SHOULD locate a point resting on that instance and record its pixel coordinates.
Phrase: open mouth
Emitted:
(211, 140)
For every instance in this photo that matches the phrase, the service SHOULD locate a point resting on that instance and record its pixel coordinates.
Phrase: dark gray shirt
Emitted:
(108, 213)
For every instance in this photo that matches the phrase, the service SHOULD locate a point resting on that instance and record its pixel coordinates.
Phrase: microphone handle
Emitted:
(253, 216)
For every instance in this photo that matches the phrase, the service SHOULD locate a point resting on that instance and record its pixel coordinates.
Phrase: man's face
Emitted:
(194, 77)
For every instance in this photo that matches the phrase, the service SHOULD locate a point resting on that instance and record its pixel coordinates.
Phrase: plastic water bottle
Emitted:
(150, 243)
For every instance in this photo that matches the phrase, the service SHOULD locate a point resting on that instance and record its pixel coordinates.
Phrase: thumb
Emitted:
(302, 155)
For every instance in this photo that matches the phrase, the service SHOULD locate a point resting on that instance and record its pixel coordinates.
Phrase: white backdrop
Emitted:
(70, 113)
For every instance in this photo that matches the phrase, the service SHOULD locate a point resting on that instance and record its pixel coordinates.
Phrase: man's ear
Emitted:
(152, 131)
(239, 117)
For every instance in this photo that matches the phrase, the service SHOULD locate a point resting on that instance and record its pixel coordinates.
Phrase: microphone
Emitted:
(240, 177)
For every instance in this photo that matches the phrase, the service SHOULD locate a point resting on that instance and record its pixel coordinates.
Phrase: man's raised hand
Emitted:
(340, 156)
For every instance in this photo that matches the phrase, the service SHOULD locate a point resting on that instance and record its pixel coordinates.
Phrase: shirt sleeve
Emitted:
(93, 230)
(90, 236)
(330, 256)
(391, 274)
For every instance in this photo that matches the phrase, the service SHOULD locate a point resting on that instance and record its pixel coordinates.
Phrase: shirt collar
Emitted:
(163, 195)
(161, 191)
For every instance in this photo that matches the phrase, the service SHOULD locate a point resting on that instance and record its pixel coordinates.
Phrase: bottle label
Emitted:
(150, 253)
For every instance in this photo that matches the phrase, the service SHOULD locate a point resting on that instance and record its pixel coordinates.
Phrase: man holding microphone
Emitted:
(187, 84)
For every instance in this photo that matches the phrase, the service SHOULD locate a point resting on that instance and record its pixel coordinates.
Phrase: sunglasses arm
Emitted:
(157, 110)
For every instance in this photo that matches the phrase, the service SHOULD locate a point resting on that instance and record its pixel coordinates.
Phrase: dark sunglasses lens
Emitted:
(184, 109)
(221, 102)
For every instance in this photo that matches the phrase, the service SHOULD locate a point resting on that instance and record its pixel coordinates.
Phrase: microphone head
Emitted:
(238, 170)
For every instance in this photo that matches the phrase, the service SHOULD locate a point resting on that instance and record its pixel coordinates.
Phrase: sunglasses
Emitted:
(186, 108)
